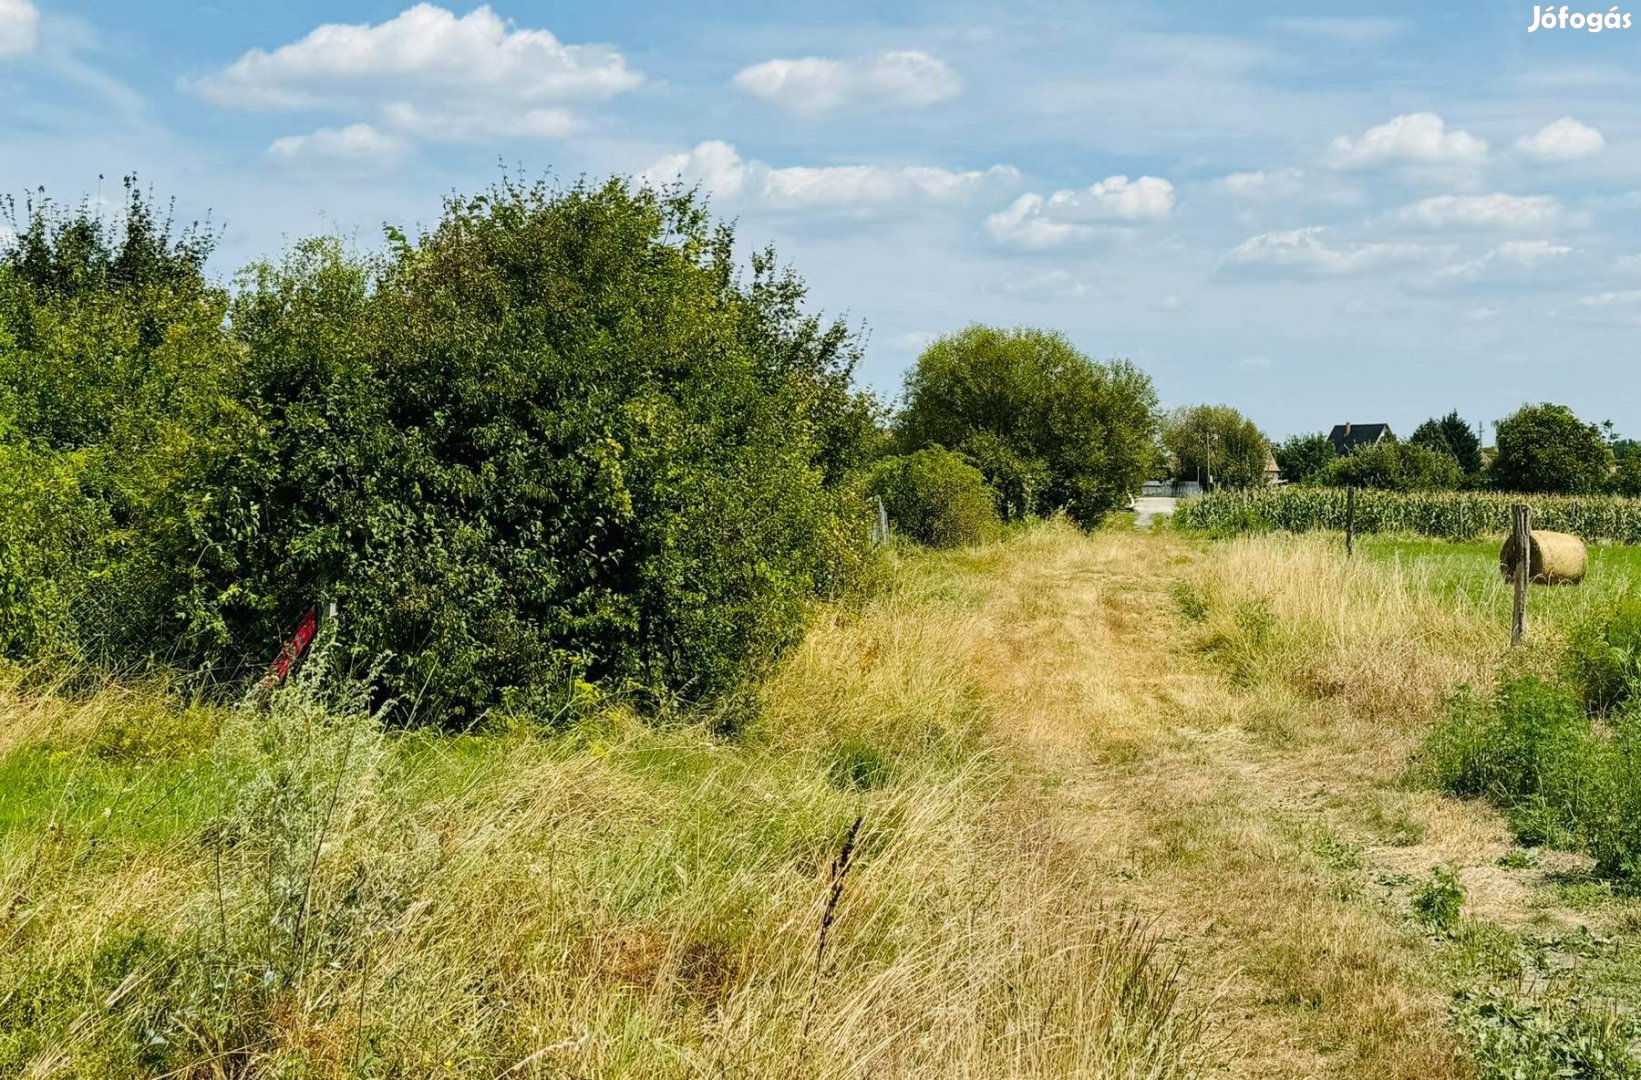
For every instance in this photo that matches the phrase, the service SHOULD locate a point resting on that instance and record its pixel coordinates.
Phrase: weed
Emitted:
(1551, 1040)
(1438, 902)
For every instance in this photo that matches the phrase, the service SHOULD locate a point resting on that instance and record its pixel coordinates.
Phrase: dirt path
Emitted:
(1253, 827)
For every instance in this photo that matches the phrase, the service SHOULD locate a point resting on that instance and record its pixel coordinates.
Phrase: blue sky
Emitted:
(1367, 213)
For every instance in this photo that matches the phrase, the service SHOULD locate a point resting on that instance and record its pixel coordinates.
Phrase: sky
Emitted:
(1316, 214)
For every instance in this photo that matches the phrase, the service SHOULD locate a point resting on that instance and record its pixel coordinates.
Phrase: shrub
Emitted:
(1395, 467)
(1087, 430)
(560, 436)
(936, 497)
(1532, 751)
(117, 395)
(557, 437)
(1603, 655)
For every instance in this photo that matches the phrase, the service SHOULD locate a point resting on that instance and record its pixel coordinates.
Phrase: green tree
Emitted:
(1217, 442)
(1451, 435)
(1395, 467)
(118, 393)
(559, 436)
(1547, 448)
(1304, 458)
(1051, 428)
(936, 497)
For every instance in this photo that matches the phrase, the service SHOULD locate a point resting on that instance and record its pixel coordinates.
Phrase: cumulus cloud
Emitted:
(1496, 211)
(1564, 140)
(1511, 259)
(19, 28)
(722, 172)
(355, 147)
(887, 80)
(1038, 221)
(1414, 139)
(1308, 251)
(429, 74)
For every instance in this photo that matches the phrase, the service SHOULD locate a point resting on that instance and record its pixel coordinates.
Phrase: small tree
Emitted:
(1451, 435)
(1304, 458)
(1051, 428)
(1395, 467)
(1217, 443)
(1547, 448)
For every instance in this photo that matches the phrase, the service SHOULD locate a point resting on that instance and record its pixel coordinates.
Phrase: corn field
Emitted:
(1449, 515)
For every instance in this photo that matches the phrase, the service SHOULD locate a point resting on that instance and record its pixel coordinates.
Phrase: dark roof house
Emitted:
(1348, 438)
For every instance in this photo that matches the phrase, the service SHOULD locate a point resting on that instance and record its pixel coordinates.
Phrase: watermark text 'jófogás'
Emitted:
(1565, 18)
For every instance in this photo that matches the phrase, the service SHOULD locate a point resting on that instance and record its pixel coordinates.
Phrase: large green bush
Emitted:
(1393, 466)
(117, 395)
(1052, 429)
(559, 436)
(936, 497)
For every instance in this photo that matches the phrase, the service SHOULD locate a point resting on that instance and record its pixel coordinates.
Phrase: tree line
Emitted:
(562, 442)
(1541, 448)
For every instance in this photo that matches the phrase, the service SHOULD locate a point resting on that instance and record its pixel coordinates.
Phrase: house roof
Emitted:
(1348, 437)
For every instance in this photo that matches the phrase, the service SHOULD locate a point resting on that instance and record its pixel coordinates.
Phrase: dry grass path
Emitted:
(1251, 823)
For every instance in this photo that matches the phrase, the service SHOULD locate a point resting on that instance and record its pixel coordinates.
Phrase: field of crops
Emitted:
(1450, 515)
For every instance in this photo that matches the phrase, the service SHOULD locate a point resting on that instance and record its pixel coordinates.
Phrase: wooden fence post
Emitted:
(1521, 528)
(1350, 521)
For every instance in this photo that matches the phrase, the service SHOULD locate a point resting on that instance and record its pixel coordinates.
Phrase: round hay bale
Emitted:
(1557, 558)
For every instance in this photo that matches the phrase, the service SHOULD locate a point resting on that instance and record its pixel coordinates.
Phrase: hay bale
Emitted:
(1557, 558)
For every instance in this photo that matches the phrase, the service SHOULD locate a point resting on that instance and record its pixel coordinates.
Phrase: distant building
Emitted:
(1348, 438)
(1273, 474)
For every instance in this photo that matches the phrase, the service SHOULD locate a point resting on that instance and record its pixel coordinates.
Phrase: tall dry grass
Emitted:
(1390, 638)
(299, 892)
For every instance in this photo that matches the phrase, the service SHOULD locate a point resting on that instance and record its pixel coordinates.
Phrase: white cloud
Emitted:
(1564, 140)
(430, 74)
(1048, 285)
(1254, 362)
(19, 28)
(1496, 211)
(355, 147)
(1415, 138)
(1037, 221)
(905, 79)
(1511, 259)
(1264, 183)
(1608, 299)
(1307, 250)
(724, 173)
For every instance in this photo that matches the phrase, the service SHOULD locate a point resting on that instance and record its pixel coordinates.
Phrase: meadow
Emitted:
(1120, 804)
